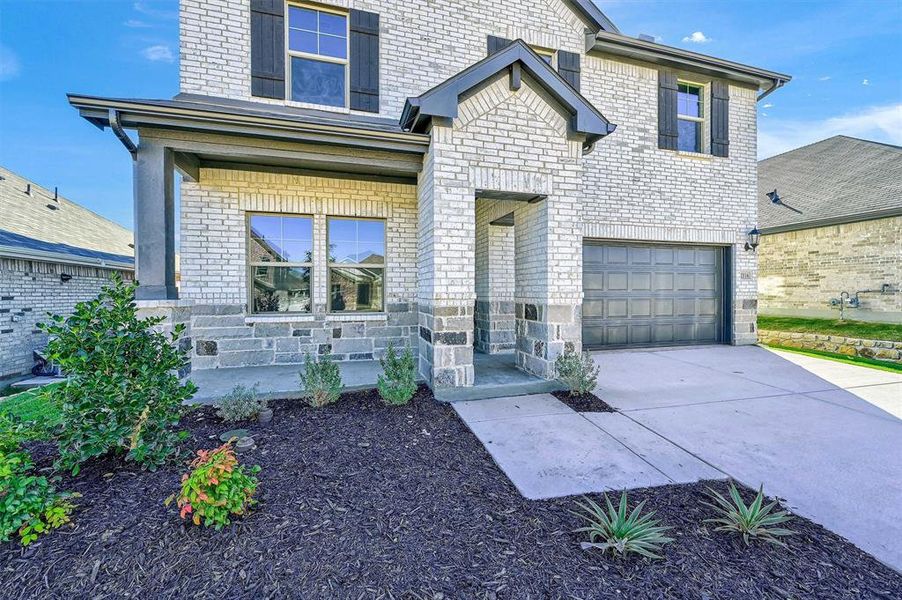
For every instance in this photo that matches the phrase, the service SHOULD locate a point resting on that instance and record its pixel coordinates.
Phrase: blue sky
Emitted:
(844, 57)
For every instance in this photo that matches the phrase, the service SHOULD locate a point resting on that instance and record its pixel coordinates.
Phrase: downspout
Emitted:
(778, 83)
(116, 126)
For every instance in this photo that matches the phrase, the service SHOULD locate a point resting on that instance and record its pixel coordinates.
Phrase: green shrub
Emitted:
(398, 382)
(29, 504)
(320, 381)
(123, 394)
(216, 488)
(241, 404)
(753, 521)
(576, 371)
(619, 532)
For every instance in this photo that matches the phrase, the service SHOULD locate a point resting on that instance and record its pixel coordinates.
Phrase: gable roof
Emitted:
(442, 100)
(837, 180)
(65, 233)
(589, 11)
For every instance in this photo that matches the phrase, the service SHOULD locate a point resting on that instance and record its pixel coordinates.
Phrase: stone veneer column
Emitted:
(548, 282)
(494, 283)
(446, 265)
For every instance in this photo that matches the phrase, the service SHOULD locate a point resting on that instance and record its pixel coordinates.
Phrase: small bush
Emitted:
(619, 532)
(29, 504)
(320, 381)
(398, 382)
(753, 521)
(241, 404)
(123, 394)
(216, 488)
(577, 371)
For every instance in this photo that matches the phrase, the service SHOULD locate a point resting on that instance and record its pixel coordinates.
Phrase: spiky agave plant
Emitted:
(756, 520)
(619, 532)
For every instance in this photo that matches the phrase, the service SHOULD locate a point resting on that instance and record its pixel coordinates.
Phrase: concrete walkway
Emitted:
(819, 434)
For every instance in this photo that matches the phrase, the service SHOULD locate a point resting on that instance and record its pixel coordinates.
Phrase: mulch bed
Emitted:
(584, 402)
(363, 500)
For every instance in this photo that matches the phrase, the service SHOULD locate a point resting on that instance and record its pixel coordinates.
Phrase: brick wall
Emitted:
(800, 271)
(215, 276)
(28, 291)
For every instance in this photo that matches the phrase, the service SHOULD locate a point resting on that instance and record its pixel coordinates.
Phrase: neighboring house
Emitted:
(836, 227)
(53, 254)
(418, 178)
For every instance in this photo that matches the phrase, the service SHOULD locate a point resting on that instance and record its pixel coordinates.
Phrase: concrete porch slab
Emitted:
(497, 376)
(276, 381)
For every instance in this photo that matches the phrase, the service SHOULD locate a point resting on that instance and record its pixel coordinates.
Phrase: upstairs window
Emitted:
(690, 116)
(318, 55)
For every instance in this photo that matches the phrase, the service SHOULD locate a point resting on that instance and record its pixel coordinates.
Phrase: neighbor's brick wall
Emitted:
(800, 271)
(214, 268)
(28, 291)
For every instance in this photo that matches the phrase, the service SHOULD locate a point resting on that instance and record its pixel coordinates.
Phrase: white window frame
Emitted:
(551, 54)
(289, 53)
(704, 145)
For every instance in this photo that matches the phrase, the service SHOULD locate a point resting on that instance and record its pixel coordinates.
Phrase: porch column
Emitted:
(154, 222)
(548, 283)
(446, 259)
(494, 280)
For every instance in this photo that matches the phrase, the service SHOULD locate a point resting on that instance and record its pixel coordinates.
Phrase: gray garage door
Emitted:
(651, 295)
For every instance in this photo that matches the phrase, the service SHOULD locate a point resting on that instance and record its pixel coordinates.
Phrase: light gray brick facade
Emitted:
(454, 281)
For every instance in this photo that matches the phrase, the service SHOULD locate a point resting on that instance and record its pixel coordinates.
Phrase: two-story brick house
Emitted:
(505, 176)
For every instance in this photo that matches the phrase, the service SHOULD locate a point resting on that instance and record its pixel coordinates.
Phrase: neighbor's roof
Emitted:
(67, 232)
(837, 180)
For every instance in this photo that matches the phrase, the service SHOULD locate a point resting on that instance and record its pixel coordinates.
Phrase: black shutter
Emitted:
(497, 43)
(568, 67)
(667, 110)
(268, 48)
(364, 61)
(720, 118)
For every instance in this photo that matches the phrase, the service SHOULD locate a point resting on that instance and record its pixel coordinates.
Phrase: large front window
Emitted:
(280, 262)
(356, 265)
(317, 55)
(690, 117)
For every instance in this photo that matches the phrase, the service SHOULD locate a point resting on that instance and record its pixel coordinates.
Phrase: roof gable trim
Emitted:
(442, 101)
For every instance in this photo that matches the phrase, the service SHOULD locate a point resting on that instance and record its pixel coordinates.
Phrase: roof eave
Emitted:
(136, 114)
(871, 215)
(18, 253)
(593, 14)
(652, 52)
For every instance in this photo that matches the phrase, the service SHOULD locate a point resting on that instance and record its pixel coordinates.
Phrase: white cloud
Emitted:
(136, 24)
(877, 123)
(146, 8)
(9, 64)
(158, 53)
(865, 82)
(768, 105)
(697, 37)
(824, 78)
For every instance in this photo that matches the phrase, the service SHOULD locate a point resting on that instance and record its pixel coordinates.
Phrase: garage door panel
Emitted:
(648, 294)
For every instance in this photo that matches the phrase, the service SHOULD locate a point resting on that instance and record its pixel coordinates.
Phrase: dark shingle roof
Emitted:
(8, 238)
(840, 179)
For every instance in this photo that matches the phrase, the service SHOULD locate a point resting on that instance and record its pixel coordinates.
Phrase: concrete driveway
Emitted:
(824, 436)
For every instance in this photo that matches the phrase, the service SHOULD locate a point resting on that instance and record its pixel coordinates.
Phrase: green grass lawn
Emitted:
(857, 329)
(33, 409)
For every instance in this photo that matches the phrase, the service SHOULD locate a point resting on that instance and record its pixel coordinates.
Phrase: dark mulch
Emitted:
(584, 402)
(362, 500)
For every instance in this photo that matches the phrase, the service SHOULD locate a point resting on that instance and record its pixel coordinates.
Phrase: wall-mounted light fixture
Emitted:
(753, 239)
(64, 277)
